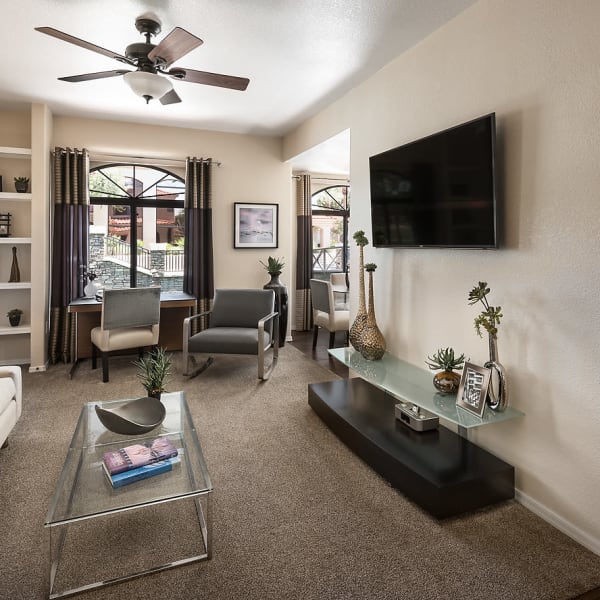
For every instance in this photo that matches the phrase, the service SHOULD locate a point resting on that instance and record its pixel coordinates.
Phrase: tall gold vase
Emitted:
(360, 321)
(372, 342)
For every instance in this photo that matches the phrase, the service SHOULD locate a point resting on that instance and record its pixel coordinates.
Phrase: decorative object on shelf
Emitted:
(372, 342)
(15, 273)
(255, 225)
(14, 316)
(133, 418)
(489, 319)
(274, 267)
(21, 184)
(0, 183)
(154, 371)
(92, 287)
(473, 388)
(447, 380)
(361, 316)
(5, 224)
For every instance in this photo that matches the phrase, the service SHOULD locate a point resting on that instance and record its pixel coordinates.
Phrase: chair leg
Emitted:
(331, 339)
(94, 357)
(141, 353)
(105, 367)
(315, 336)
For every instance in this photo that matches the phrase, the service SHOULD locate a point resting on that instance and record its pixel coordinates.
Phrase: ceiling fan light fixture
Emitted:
(147, 85)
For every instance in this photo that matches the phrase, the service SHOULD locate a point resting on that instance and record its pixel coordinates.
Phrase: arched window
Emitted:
(136, 235)
(330, 214)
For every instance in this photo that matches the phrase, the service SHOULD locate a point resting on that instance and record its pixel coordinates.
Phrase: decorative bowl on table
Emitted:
(132, 418)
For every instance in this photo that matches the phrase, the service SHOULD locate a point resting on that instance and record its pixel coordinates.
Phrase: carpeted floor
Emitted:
(295, 514)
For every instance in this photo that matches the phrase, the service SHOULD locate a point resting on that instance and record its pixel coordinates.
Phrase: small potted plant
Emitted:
(21, 184)
(273, 266)
(444, 360)
(14, 316)
(154, 370)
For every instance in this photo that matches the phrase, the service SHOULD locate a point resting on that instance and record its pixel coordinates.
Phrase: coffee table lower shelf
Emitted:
(441, 471)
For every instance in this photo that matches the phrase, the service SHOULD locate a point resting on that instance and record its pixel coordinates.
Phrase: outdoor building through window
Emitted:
(330, 214)
(136, 235)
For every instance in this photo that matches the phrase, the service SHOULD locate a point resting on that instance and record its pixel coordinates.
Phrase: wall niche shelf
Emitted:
(15, 196)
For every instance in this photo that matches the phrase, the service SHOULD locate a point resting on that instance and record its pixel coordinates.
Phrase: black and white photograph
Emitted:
(473, 387)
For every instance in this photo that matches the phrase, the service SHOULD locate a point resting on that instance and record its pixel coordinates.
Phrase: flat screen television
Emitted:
(438, 191)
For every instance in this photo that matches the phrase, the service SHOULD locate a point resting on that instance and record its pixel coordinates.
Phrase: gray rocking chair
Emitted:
(240, 322)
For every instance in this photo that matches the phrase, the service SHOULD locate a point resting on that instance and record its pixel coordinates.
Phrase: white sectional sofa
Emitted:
(11, 392)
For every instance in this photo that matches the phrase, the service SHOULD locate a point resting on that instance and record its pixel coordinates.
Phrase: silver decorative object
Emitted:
(497, 399)
(135, 417)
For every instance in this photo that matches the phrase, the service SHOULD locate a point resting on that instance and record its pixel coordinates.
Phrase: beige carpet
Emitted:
(295, 514)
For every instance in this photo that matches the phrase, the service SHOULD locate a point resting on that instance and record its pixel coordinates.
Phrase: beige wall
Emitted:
(535, 64)
(251, 171)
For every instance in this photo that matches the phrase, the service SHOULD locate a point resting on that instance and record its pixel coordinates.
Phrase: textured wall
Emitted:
(535, 64)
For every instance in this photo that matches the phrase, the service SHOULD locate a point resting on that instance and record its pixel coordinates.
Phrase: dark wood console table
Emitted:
(441, 471)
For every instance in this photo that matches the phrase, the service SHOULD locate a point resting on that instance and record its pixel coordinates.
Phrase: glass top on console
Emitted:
(412, 384)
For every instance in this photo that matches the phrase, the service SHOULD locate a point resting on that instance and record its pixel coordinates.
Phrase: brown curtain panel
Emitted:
(198, 273)
(69, 246)
(304, 253)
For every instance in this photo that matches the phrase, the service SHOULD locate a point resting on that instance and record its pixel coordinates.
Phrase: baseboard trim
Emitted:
(574, 532)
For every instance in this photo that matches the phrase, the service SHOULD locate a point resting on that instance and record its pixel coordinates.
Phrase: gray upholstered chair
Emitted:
(325, 313)
(130, 319)
(240, 322)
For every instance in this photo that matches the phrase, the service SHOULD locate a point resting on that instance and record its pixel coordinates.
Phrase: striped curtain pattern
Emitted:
(304, 253)
(69, 246)
(198, 272)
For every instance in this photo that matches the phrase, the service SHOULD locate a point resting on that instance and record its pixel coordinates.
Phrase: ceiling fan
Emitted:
(152, 62)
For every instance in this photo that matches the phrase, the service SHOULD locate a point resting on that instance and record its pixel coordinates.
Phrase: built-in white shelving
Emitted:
(16, 294)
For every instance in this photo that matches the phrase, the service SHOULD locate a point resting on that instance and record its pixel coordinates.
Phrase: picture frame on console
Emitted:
(473, 388)
(255, 225)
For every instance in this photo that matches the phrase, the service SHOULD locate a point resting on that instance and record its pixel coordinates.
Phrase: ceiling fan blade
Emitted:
(175, 45)
(170, 97)
(90, 76)
(83, 44)
(224, 81)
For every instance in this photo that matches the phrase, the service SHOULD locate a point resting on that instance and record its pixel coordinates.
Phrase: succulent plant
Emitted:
(14, 312)
(273, 265)
(490, 317)
(370, 267)
(21, 179)
(445, 360)
(154, 370)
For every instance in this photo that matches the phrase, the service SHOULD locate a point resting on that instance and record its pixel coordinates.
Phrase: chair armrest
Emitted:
(263, 321)
(188, 320)
(187, 330)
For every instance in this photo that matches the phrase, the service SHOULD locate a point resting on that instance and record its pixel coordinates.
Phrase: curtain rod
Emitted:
(156, 159)
(323, 178)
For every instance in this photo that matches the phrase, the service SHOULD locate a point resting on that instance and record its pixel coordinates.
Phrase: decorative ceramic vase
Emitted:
(15, 273)
(360, 320)
(14, 320)
(497, 397)
(92, 288)
(21, 186)
(281, 303)
(372, 342)
(446, 382)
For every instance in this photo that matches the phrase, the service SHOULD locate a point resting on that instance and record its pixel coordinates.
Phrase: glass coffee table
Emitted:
(84, 498)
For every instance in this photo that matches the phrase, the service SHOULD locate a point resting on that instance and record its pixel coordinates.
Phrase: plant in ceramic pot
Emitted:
(21, 184)
(154, 370)
(445, 361)
(14, 316)
(274, 267)
(489, 319)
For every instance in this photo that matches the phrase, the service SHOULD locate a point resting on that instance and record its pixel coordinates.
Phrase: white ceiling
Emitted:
(299, 55)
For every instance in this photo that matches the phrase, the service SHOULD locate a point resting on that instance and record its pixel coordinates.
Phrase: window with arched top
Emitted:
(136, 234)
(330, 213)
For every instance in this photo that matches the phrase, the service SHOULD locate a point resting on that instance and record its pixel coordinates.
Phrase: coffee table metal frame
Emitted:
(83, 492)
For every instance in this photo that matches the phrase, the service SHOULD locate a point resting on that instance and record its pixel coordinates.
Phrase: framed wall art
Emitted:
(255, 225)
(473, 388)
